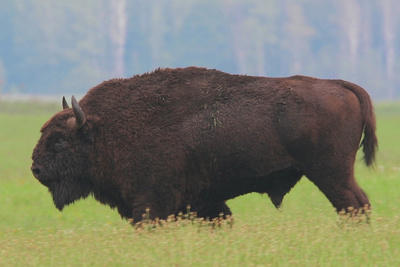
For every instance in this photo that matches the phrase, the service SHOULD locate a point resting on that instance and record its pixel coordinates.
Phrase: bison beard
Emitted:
(174, 137)
(67, 191)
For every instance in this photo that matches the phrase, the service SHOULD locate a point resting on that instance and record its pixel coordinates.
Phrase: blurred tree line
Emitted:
(67, 47)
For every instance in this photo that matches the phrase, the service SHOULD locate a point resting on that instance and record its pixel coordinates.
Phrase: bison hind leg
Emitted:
(280, 183)
(338, 184)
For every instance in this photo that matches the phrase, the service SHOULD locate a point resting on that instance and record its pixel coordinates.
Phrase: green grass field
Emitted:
(306, 232)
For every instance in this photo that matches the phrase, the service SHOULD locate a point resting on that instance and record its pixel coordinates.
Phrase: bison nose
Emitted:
(35, 170)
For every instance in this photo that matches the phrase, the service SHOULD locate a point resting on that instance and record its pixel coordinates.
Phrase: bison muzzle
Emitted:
(174, 137)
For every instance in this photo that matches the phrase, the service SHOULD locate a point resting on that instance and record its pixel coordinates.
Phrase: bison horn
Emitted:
(64, 103)
(80, 118)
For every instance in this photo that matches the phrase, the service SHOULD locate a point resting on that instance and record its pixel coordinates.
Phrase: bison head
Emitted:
(60, 158)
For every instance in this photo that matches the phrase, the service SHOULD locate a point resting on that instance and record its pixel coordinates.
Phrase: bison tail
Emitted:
(369, 141)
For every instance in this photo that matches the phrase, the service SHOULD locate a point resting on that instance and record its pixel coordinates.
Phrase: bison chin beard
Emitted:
(67, 191)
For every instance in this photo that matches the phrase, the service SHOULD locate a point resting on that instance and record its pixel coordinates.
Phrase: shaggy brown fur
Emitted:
(196, 136)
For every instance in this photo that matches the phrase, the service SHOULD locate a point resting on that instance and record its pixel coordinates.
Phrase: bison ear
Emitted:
(80, 117)
(64, 103)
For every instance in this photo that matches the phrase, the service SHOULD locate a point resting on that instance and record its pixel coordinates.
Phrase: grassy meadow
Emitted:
(305, 232)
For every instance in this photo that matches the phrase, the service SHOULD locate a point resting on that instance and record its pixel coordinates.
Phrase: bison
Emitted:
(173, 137)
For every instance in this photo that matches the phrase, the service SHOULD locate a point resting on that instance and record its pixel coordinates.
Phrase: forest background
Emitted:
(56, 48)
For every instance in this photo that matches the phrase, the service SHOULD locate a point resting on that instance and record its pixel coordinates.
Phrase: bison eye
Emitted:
(60, 144)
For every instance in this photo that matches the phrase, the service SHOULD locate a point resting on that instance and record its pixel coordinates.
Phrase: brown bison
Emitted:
(174, 137)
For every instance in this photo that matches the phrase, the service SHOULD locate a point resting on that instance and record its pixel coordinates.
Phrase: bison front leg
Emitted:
(215, 211)
(149, 210)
